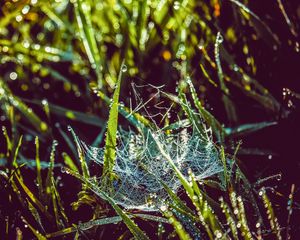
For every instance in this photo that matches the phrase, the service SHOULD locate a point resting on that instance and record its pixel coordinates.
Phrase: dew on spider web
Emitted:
(152, 102)
(140, 166)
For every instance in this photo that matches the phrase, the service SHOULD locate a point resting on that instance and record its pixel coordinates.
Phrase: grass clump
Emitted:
(162, 92)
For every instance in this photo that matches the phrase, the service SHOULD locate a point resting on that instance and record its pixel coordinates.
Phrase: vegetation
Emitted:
(125, 119)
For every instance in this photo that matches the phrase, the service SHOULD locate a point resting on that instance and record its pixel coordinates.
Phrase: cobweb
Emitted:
(141, 168)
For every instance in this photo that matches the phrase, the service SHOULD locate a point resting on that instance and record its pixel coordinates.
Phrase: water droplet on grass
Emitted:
(124, 68)
(163, 208)
(176, 5)
(25, 9)
(278, 178)
(19, 18)
(13, 75)
(44, 102)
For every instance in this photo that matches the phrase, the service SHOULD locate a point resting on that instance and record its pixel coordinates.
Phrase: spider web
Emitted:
(141, 168)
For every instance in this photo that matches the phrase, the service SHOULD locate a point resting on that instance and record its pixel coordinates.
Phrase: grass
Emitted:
(98, 67)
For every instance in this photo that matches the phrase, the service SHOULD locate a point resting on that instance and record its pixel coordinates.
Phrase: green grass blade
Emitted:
(270, 212)
(54, 204)
(52, 15)
(8, 141)
(134, 229)
(182, 234)
(216, 126)
(261, 27)
(71, 114)
(38, 167)
(151, 217)
(83, 16)
(35, 214)
(35, 232)
(82, 160)
(246, 129)
(111, 134)
(69, 162)
(85, 226)
(22, 107)
(207, 215)
(58, 206)
(32, 197)
(180, 176)
(50, 170)
(67, 139)
(177, 201)
(195, 119)
(177, 125)
(14, 163)
(230, 218)
(228, 104)
(137, 120)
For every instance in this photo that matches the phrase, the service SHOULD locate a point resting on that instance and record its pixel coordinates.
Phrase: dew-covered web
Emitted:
(154, 106)
(141, 168)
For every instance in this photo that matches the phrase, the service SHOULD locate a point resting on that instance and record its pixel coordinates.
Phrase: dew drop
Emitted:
(13, 75)
(278, 178)
(297, 47)
(261, 192)
(235, 68)
(93, 65)
(26, 44)
(220, 38)
(36, 46)
(19, 18)
(26, 9)
(163, 208)
(5, 49)
(55, 143)
(176, 5)
(124, 68)
(48, 49)
(62, 169)
(44, 102)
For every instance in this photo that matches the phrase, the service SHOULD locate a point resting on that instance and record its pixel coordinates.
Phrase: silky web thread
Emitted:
(141, 168)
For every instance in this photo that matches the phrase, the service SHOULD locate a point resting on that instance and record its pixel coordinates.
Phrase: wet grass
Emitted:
(149, 67)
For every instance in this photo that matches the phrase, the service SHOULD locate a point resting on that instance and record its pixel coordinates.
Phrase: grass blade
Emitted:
(134, 229)
(246, 129)
(182, 234)
(32, 197)
(38, 167)
(216, 126)
(228, 104)
(83, 16)
(22, 107)
(36, 233)
(261, 27)
(111, 134)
